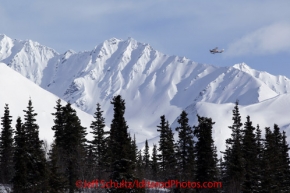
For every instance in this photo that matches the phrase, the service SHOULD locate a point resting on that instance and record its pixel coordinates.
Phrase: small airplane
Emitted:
(215, 50)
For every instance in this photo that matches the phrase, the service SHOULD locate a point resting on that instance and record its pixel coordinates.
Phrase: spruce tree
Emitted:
(139, 166)
(220, 169)
(20, 158)
(6, 148)
(134, 151)
(285, 162)
(185, 149)
(275, 166)
(206, 157)
(259, 166)
(167, 159)
(249, 151)
(91, 170)
(98, 144)
(274, 160)
(74, 147)
(57, 164)
(57, 181)
(278, 164)
(146, 160)
(154, 165)
(162, 144)
(68, 154)
(59, 122)
(270, 160)
(233, 158)
(36, 165)
(120, 147)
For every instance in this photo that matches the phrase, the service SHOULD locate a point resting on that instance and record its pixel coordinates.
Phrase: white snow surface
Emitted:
(16, 91)
(152, 84)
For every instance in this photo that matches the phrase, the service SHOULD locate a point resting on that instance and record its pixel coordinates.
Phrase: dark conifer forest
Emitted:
(250, 162)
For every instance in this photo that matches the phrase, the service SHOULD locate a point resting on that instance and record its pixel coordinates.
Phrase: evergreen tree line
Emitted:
(250, 163)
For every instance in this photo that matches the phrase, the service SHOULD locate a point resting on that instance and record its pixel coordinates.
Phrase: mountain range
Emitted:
(152, 84)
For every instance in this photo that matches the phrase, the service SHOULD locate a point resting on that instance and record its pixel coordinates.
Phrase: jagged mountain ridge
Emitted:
(26, 57)
(151, 82)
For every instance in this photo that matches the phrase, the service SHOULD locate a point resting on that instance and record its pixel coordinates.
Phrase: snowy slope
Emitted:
(151, 82)
(26, 57)
(264, 114)
(16, 91)
(279, 84)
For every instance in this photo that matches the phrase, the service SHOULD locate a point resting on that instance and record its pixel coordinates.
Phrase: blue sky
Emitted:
(254, 32)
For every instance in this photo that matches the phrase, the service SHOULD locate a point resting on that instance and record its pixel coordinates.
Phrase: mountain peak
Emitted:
(112, 41)
(69, 52)
(242, 66)
(130, 39)
(134, 41)
(2, 36)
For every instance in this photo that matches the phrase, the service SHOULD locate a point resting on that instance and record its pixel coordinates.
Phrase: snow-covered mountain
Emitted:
(151, 83)
(26, 57)
(16, 90)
